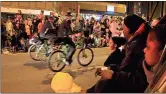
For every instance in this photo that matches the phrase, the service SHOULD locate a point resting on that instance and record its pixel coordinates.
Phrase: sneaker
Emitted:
(66, 62)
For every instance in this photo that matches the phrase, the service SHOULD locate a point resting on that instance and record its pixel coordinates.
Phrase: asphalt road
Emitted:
(21, 74)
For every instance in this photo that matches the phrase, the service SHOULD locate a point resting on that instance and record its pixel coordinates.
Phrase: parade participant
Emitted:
(47, 30)
(63, 33)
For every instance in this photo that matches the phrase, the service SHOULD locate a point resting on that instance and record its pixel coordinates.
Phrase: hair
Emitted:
(159, 18)
(159, 35)
(20, 11)
(42, 11)
(119, 41)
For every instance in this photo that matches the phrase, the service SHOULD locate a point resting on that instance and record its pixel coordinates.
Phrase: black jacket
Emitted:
(47, 29)
(65, 28)
(127, 82)
(131, 77)
(114, 59)
(134, 53)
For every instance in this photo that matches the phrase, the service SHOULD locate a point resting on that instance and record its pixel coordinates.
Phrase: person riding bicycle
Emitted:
(48, 32)
(63, 36)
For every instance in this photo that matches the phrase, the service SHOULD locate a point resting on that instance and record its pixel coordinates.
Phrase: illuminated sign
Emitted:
(110, 8)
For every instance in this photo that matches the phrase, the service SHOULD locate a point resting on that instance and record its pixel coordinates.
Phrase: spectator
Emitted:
(40, 26)
(96, 27)
(2, 34)
(116, 57)
(35, 23)
(17, 27)
(27, 28)
(155, 21)
(155, 46)
(9, 27)
(113, 28)
(102, 24)
(18, 16)
(87, 28)
(41, 15)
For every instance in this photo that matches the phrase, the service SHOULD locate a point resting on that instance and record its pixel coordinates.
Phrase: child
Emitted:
(116, 57)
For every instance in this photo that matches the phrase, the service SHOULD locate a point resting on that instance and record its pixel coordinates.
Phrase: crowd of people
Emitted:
(16, 30)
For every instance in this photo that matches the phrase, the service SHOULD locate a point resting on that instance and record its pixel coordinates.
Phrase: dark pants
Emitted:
(67, 40)
(104, 86)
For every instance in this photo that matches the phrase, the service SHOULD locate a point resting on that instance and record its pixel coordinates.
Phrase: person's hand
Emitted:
(106, 74)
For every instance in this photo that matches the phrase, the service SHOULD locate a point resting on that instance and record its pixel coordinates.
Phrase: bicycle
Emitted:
(61, 52)
(40, 49)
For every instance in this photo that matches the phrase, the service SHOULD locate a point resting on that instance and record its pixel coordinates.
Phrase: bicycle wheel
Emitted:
(37, 52)
(85, 56)
(32, 52)
(55, 61)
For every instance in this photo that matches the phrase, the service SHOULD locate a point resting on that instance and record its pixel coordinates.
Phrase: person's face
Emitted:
(154, 22)
(41, 12)
(152, 53)
(18, 22)
(50, 20)
(107, 30)
(125, 31)
(112, 45)
(29, 19)
(69, 17)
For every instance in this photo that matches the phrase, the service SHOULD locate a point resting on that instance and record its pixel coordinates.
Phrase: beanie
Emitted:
(133, 22)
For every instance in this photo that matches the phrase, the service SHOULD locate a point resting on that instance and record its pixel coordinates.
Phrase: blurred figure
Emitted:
(40, 26)
(27, 28)
(30, 24)
(96, 28)
(114, 28)
(35, 23)
(41, 15)
(18, 16)
(155, 22)
(9, 27)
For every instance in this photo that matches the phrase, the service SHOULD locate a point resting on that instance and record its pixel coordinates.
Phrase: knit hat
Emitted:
(119, 41)
(133, 22)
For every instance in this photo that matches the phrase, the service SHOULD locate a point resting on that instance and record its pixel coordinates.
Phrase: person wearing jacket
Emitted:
(116, 57)
(47, 30)
(63, 36)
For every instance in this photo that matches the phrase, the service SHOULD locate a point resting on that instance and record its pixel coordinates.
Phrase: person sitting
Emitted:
(116, 57)
(155, 45)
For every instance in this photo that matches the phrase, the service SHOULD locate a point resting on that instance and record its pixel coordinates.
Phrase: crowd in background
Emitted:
(16, 30)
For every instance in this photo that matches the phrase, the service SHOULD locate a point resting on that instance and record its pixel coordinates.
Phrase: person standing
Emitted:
(27, 28)
(40, 26)
(9, 27)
